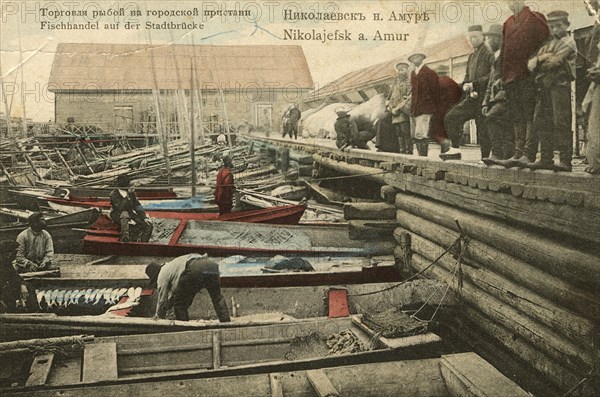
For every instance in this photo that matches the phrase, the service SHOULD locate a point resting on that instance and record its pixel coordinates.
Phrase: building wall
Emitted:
(111, 111)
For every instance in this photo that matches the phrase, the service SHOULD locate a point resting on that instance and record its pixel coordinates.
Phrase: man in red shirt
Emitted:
(224, 189)
(523, 34)
(425, 89)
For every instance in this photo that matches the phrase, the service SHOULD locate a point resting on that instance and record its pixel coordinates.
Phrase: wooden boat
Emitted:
(246, 305)
(450, 375)
(195, 204)
(121, 360)
(96, 271)
(182, 234)
(66, 230)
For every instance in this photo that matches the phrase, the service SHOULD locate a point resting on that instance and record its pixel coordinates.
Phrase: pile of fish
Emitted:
(54, 300)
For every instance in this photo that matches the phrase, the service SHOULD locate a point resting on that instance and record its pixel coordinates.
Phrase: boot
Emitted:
(491, 160)
(451, 154)
(563, 167)
(523, 162)
(125, 231)
(422, 147)
(542, 165)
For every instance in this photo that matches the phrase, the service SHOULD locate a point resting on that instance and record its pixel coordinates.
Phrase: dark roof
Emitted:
(451, 48)
(117, 66)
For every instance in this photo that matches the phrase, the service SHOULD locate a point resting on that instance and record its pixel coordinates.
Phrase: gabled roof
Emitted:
(451, 48)
(79, 66)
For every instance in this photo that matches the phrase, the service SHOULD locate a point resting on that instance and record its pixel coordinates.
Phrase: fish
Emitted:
(137, 293)
(87, 295)
(106, 294)
(40, 296)
(130, 293)
(47, 294)
(120, 294)
(74, 297)
(60, 296)
(99, 295)
(53, 295)
(67, 298)
(93, 296)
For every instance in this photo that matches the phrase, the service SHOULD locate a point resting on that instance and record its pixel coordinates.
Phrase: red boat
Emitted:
(187, 233)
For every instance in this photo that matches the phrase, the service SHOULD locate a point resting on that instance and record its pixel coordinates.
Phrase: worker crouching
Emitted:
(178, 281)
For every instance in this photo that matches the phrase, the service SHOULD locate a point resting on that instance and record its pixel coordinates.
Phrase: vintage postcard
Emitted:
(332, 198)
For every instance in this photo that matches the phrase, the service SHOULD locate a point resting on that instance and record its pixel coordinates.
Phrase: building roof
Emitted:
(454, 47)
(79, 66)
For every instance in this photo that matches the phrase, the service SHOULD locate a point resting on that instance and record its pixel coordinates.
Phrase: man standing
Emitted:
(479, 65)
(449, 95)
(178, 281)
(554, 68)
(35, 249)
(494, 106)
(398, 104)
(523, 34)
(591, 103)
(294, 115)
(225, 186)
(125, 207)
(424, 90)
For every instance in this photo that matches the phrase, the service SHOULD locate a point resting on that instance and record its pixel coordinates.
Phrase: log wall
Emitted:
(529, 275)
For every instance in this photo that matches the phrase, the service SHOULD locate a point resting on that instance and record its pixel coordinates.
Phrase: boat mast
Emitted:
(21, 66)
(193, 131)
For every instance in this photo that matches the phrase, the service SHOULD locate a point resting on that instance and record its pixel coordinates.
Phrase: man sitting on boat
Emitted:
(126, 208)
(224, 189)
(178, 281)
(12, 288)
(36, 248)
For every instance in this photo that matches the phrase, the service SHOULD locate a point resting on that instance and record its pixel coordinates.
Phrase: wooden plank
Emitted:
(321, 383)
(216, 351)
(468, 375)
(66, 372)
(376, 211)
(40, 369)
(276, 387)
(99, 362)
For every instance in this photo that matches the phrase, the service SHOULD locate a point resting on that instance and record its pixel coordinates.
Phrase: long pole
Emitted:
(24, 123)
(159, 119)
(193, 132)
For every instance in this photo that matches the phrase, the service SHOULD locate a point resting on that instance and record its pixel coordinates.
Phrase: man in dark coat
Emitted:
(474, 85)
(125, 207)
(425, 89)
(449, 95)
(554, 70)
(294, 116)
(352, 131)
(523, 34)
(178, 281)
(494, 106)
(225, 187)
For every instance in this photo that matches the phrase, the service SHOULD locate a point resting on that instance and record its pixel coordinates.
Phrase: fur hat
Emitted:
(152, 271)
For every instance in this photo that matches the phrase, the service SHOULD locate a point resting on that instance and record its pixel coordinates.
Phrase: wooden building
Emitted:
(115, 86)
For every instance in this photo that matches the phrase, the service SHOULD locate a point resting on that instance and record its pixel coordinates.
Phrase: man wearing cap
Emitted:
(225, 187)
(125, 208)
(178, 281)
(398, 104)
(424, 91)
(554, 69)
(450, 94)
(474, 85)
(342, 129)
(494, 106)
(523, 34)
(36, 248)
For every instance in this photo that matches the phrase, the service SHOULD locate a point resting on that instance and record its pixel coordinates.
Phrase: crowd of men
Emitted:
(517, 89)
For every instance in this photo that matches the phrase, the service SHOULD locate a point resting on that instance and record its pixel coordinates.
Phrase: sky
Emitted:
(27, 50)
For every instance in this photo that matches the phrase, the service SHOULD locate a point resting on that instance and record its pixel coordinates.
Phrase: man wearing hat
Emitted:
(342, 129)
(450, 94)
(225, 187)
(591, 102)
(178, 281)
(424, 91)
(554, 68)
(126, 208)
(494, 106)
(36, 248)
(398, 104)
(523, 34)
(474, 85)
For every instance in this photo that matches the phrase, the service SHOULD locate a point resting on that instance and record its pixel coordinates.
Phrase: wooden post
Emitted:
(225, 116)
(80, 152)
(192, 134)
(64, 162)
(216, 356)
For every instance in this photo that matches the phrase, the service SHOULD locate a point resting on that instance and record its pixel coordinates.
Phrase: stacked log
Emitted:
(535, 297)
(370, 221)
